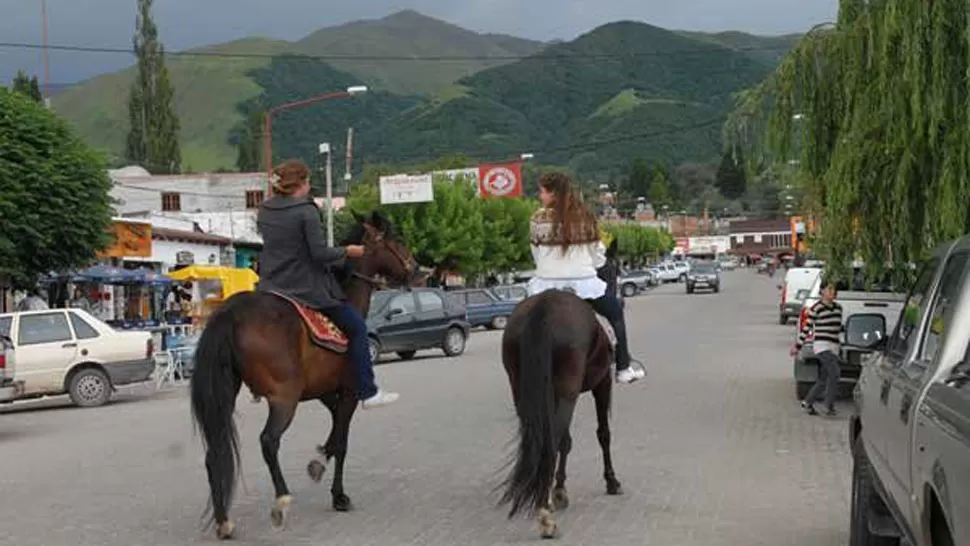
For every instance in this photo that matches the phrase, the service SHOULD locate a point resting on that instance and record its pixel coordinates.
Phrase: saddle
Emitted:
(323, 332)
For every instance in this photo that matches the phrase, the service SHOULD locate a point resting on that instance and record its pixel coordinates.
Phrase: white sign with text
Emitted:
(406, 188)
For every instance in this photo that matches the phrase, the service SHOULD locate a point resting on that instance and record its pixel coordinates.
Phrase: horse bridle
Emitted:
(378, 239)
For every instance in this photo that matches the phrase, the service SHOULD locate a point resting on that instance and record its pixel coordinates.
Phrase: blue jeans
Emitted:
(351, 322)
(609, 306)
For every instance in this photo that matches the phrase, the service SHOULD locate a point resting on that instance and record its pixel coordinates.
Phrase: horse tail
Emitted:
(215, 384)
(529, 483)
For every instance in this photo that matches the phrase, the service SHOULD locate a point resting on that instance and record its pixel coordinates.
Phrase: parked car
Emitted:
(70, 351)
(511, 292)
(632, 283)
(703, 275)
(405, 322)
(910, 434)
(683, 269)
(667, 272)
(483, 307)
(794, 289)
(855, 298)
(10, 388)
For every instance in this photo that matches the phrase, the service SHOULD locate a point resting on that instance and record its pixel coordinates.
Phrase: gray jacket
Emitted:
(296, 260)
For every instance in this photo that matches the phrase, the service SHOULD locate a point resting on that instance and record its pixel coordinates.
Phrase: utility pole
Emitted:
(350, 157)
(47, 60)
(325, 149)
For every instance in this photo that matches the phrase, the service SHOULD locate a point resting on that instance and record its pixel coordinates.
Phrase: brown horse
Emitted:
(553, 350)
(260, 339)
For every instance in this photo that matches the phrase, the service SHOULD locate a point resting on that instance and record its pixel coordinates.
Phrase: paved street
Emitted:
(711, 450)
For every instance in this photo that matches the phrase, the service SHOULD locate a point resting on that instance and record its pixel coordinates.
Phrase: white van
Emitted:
(795, 288)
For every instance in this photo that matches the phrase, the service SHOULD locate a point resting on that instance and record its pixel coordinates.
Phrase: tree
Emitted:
(875, 108)
(639, 182)
(637, 244)
(27, 85)
(731, 179)
(54, 203)
(659, 193)
(153, 124)
(249, 144)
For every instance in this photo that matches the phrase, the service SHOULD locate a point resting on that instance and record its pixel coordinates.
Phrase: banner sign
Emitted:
(501, 180)
(129, 240)
(406, 188)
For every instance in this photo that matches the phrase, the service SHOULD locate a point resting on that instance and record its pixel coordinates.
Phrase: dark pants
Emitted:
(828, 378)
(351, 322)
(608, 306)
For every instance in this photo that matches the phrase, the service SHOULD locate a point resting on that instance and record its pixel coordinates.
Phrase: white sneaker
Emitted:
(627, 375)
(382, 398)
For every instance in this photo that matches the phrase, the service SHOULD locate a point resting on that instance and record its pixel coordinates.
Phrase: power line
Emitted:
(715, 48)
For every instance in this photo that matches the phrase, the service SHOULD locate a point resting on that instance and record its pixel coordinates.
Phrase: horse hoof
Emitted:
(316, 470)
(277, 515)
(547, 525)
(560, 500)
(341, 503)
(614, 488)
(225, 530)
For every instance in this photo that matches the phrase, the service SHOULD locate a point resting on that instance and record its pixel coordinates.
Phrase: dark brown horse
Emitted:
(259, 339)
(553, 350)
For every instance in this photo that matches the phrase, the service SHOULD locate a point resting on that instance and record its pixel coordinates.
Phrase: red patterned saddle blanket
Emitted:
(323, 332)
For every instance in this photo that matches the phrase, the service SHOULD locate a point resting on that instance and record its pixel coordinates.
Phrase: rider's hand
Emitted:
(355, 251)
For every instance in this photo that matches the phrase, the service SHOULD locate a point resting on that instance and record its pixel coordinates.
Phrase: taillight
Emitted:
(802, 319)
(3, 359)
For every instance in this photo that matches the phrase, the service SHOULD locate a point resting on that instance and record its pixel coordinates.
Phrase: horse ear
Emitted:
(379, 221)
(360, 219)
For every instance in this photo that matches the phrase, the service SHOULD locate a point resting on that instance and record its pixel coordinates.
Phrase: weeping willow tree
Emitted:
(875, 109)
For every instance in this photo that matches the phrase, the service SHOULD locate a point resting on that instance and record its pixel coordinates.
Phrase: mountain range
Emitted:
(623, 88)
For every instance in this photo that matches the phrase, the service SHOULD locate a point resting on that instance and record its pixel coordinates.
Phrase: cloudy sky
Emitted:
(188, 23)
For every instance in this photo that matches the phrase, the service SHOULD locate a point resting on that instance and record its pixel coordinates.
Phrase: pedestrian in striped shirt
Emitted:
(824, 322)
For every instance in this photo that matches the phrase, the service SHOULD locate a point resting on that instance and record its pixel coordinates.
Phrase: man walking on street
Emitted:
(824, 321)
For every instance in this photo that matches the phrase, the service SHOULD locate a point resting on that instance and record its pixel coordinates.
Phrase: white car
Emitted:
(70, 351)
(667, 272)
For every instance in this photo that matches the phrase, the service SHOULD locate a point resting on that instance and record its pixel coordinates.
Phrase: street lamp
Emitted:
(526, 156)
(324, 148)
(268, 124)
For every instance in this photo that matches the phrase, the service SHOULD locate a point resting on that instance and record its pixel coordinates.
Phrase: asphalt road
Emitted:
(711, 450)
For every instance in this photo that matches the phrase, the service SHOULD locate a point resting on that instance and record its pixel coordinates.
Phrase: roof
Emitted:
(761, 226)
(189, 236)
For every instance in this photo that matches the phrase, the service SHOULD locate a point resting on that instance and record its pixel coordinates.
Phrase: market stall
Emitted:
(211, 285)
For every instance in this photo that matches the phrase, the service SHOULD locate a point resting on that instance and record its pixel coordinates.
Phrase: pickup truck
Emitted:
(855, 298)
(10, 389)
(910, 434)
(483, 307)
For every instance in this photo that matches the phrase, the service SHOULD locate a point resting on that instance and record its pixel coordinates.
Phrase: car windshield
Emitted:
(704, 269)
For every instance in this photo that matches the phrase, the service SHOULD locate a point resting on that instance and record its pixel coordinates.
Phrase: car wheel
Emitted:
(454, 344)
(802, 388)
(717, 288)
(865, 500)
(498, 323)
(629, 290)
(374, 347)
(89, 388)
(406, 355)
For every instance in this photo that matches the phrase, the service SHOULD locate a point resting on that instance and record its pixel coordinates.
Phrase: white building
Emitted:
(137, 191)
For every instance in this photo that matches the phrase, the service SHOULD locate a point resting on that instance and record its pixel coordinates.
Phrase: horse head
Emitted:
(386, 254)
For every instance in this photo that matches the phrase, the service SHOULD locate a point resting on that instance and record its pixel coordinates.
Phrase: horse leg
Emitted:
(602, 395)
(560, 500)
(346, 406)
(317, 467)
(561, 422)
(279, 419)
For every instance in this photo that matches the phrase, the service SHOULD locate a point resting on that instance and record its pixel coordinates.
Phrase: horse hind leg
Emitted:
(548, 528)
(602, 395)
(280, 416)
(317, 466)
(560, 499)
(345, 408)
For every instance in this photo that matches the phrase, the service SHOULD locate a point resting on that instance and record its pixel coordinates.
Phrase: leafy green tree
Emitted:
(54, 203)
(875, 107)
(27, 85)
(638, 244)
(639, 181)
(249, 144)
(153, 133)
(731, 179)
(659, 194)
(507, 236)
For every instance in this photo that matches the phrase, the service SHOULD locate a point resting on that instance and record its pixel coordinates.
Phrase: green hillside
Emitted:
(766, 49)
(410, 34)
(617, 84)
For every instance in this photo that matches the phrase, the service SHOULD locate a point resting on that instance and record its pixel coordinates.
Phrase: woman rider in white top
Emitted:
(567, 251)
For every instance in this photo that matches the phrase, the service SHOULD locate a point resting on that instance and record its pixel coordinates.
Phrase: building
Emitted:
(761, 236)
(137, 191)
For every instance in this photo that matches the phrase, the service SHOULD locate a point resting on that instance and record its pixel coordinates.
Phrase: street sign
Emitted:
(406, 188)
(504, 180)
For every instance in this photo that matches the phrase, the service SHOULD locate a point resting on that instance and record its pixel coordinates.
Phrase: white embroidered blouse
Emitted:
(574, 270)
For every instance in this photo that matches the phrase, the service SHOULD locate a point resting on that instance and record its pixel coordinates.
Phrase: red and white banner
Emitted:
(500, 180)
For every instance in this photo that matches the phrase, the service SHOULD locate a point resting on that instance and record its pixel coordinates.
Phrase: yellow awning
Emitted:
(233, 279)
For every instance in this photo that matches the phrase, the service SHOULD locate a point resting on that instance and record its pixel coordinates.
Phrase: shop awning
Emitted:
(233, 279)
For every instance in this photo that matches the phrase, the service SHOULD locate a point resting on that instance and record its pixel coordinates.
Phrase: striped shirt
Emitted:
(825, 324)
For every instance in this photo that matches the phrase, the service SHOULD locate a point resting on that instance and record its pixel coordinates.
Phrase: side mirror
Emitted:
(866, 331)
(393, 313)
